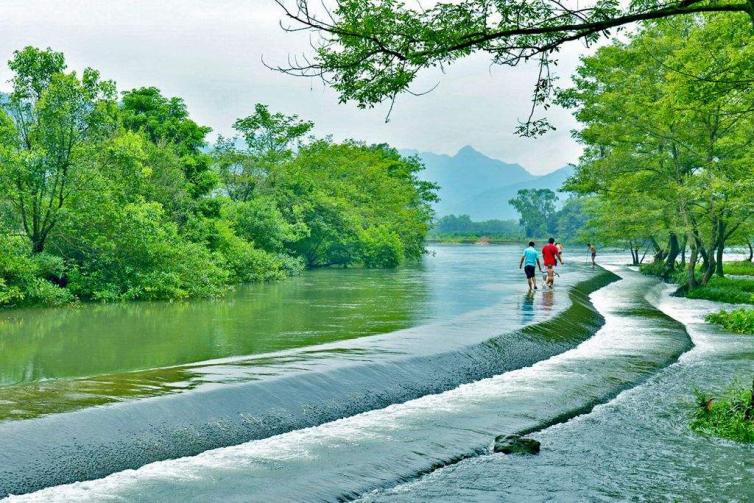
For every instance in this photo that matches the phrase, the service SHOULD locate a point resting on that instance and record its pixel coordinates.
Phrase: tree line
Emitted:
(107, 196)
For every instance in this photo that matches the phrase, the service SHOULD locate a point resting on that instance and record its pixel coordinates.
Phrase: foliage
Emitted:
(166, 122)
(48, 126)
(337, 191)
(373, 50)
(462, 225)
(381, 247)
(740, 321)
(109, 200)
(729, 416)
(536, 208)
(666, 133)
(27, 278)
(133, 253)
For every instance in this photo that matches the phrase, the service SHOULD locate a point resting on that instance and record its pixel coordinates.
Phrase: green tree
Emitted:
(166, 122)
(337, 192)
(373, 50)
(536, 208)
(667, 134)
(50, 124)
(269, 140)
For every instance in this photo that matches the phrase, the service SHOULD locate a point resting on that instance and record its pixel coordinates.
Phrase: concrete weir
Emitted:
(95, 442)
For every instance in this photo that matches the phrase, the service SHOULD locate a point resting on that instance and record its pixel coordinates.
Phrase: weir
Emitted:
(350, 457)
(93, 443)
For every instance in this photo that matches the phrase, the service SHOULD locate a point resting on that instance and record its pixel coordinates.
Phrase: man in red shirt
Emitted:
(551, 255)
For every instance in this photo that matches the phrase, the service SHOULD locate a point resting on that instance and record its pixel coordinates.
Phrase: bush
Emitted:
(381, 248)
(740, 321)
(653, 268)
(24, 277)
(135, 254)
(729, 416)
(245, 262)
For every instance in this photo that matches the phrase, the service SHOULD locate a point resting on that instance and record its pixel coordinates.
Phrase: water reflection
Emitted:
(527, 307)
(547, 301)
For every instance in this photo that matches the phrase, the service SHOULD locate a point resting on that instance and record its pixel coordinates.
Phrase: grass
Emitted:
(740, 321)
(730, 415)
(740, 268)
(733, 291)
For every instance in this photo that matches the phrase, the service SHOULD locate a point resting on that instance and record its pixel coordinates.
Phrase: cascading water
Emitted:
(205, 405)
(348, 457)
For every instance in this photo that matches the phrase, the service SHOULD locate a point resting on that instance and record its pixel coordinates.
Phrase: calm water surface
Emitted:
(57, 359)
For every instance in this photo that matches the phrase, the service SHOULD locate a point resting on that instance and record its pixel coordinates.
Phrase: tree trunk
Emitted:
(751, 251)
(673, 250)
(659, 252)
(683, 251)
(719, 265)
(720, 249)
(37, 245)
(691, 270)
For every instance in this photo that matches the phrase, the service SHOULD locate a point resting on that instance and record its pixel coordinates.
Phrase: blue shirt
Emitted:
(530, 256)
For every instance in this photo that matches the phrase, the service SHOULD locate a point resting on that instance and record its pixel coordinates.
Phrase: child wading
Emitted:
(529, 259)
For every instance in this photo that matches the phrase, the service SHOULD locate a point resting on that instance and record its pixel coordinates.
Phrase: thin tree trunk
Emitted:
(720, 249)
(751, 251)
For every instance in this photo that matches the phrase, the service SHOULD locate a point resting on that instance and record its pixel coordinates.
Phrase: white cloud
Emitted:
(209, 52)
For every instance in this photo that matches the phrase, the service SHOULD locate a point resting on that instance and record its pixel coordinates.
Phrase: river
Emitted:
(374, 385)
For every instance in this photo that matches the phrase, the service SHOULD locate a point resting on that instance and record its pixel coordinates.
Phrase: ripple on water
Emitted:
(342, 459)
(638, 447)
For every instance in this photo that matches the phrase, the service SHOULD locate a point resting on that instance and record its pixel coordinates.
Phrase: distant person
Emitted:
(530, 259)
(551, 256)
(592, 250)
(560, 248)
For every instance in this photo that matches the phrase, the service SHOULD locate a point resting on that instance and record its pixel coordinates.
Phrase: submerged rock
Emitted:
(516, 444)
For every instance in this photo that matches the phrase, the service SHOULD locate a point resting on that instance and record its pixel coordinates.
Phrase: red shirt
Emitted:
(549, 254)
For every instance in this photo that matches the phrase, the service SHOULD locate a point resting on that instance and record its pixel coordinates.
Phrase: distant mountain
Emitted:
(479, 186)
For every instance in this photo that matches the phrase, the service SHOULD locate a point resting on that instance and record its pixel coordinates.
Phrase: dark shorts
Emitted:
(529, 270)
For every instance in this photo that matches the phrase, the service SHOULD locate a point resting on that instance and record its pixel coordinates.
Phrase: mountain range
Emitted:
(474, 184)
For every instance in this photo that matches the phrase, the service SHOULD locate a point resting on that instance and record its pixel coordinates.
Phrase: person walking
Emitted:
(592, 250)
(551, 256)
(529, 259)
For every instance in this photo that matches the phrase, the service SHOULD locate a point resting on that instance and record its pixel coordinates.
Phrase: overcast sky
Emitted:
(209, 52)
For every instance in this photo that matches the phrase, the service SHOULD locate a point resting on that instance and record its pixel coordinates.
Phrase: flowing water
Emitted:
(409, 412)
(430, 328)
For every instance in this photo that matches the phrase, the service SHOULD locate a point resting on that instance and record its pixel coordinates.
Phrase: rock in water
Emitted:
(516, 444)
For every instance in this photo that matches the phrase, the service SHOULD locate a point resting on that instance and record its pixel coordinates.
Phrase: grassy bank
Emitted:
(732, 291)
(740, 268)
(730, 415)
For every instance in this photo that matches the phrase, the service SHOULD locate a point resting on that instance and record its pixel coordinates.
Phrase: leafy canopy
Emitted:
(370, 51)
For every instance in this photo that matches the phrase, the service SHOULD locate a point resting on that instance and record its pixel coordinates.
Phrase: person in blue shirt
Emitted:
(529, 259)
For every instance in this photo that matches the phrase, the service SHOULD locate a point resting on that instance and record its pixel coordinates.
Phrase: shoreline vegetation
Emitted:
(112, 197)
(729, 415)
(720, 288)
